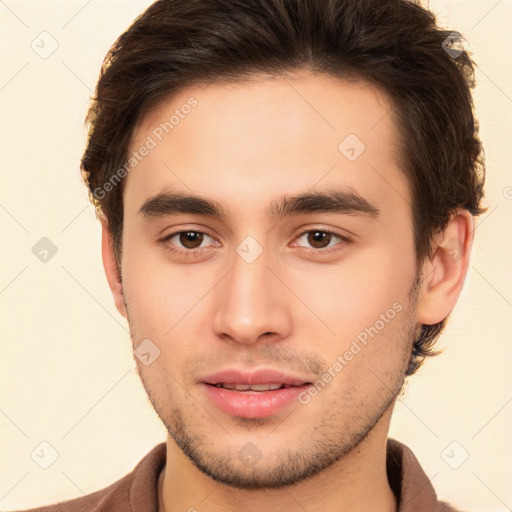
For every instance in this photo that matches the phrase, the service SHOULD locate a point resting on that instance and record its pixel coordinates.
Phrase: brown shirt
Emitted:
(138, 490)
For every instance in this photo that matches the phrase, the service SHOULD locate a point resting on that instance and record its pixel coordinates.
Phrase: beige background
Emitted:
(67, 375)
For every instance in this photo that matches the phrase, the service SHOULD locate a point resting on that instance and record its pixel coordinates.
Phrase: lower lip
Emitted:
(256, 404)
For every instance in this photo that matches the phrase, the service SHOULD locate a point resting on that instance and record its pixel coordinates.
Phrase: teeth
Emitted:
(265, 387)
(250, 387)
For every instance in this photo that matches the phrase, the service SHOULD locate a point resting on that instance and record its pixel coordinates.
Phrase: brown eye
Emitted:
(319, 239)
(191, 239)
(189, 243)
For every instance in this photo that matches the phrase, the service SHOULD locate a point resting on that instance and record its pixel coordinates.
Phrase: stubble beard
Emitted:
(330, 439)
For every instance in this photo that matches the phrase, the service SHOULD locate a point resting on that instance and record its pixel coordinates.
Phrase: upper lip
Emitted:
(260, 376)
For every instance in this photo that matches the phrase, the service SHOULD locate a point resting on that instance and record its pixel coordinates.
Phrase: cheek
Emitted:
(373, 361)
(342, 301)
(158, 293)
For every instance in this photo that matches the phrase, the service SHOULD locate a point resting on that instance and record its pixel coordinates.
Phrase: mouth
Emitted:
(255, 388)
(258, 394)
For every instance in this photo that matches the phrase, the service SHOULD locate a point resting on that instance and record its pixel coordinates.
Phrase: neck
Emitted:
(356, 483)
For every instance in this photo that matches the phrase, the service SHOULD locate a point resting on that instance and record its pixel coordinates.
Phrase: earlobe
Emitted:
(445, 271)
(112, 270)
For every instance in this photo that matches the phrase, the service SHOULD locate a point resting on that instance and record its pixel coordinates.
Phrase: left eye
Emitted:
(320, 239)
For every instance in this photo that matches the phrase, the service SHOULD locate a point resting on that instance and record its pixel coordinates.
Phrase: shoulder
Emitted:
(109, 499)
(410, 483)
(446, 507)
(139, 484)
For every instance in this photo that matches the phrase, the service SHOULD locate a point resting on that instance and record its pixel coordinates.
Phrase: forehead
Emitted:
(242, 142)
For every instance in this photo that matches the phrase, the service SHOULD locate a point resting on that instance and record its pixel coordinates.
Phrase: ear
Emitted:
(445, 271)
(112, 270)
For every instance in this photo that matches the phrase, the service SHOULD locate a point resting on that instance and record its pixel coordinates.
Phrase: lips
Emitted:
(250, 387)
(258, 394)
(252, 379)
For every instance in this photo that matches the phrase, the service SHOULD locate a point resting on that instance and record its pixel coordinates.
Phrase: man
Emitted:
(287, 191)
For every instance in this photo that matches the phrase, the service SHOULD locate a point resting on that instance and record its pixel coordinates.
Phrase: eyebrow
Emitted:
(330, 201)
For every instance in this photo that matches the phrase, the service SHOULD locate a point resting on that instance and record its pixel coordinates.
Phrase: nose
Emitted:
(251, 304)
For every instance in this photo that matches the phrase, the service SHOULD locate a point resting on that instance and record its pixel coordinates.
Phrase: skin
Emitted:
(292, 309)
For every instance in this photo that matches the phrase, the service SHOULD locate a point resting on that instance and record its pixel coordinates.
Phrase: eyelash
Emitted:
(197, 252)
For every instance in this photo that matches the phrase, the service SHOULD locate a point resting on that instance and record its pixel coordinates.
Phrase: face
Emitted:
(292, 266)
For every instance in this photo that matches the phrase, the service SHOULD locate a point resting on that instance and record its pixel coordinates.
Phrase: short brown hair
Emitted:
(395, 44)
